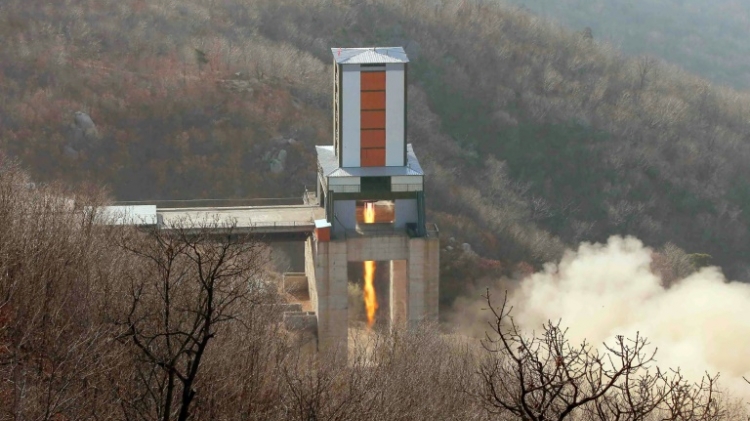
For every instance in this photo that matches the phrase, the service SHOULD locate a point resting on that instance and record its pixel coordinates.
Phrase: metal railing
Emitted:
(432, 230)
(230, 224)
(211, 203)
(373, 230)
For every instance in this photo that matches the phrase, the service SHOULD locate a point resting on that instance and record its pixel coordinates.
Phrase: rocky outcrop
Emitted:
(278, 163)
(83, 135)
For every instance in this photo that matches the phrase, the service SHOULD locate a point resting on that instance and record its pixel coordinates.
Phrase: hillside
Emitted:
(102, 322)
(533, 137)
(708, 38)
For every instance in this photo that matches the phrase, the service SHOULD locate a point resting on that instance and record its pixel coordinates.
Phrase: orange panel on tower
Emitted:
(373, 100)
(372, 81)
(372, 139)
(372, 120)
(372, 157)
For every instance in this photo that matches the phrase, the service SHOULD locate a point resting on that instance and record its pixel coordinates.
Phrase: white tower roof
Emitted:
(373, 55)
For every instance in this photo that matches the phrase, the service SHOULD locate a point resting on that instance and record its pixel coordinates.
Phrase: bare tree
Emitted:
(645, 67)
(186, 283)
(546, 378)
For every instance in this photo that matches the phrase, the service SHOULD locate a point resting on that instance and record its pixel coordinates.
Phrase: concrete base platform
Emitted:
(414, 285)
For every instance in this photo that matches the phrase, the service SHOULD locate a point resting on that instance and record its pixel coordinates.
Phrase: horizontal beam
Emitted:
(374, 196)
(266, 237)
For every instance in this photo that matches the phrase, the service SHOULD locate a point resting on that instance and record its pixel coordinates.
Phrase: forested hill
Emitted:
(709, 38)
(533, 137)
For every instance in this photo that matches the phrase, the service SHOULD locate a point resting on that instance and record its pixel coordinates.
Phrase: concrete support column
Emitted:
(416, 282)
(398, 293)
(332, 304)
(311, 273)
(431, 279)
(424, 280)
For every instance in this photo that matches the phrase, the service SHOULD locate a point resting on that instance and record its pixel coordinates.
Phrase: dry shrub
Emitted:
(69, 327)
(55, 272)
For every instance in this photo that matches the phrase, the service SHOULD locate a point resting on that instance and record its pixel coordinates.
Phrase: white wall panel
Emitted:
(351, 188)
(406, 179)
(394, 115)
(344, 181)
(400, 188)
(350, 118)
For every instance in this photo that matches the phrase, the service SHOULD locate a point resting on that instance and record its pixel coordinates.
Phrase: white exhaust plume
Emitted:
(699, 324)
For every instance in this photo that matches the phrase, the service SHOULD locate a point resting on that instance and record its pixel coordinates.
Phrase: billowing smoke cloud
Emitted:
(701, 323)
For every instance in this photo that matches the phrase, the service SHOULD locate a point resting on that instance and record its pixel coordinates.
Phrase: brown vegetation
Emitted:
(533, 137)
(113, 323)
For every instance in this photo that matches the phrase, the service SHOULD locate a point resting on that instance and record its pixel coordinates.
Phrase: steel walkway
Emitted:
(244, 220)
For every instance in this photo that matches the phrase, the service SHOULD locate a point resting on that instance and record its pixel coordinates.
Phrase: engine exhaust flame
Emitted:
(371, 301)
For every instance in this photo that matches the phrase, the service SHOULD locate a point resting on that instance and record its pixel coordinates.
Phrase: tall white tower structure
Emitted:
(371, 169)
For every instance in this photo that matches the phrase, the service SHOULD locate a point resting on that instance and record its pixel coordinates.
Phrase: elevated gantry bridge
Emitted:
(272, 222)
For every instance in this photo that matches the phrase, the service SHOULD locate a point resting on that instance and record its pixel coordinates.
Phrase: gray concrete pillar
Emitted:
(398, 299)
(431, 279)
(424, 280)
(416, 281)
(331, 304)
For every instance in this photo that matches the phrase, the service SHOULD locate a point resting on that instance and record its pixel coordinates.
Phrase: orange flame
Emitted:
(371, 301)
(369, 214)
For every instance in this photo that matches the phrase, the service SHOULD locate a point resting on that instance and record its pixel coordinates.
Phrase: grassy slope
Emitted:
(533, 137)
(705, 37)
